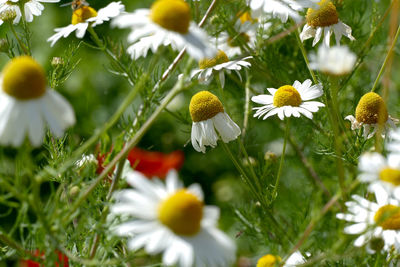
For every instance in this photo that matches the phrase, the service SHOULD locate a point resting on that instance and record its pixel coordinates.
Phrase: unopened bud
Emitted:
(57, 62)
(8, 15)
(4, 46)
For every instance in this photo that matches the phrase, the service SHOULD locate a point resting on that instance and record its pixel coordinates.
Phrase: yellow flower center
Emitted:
(268, 261)
(371, 109)
(24, 78)
(388, 217)
(182, 213)
(173, 15)
(390, 175)
(241, 38)
(247, 17)
(220, 58)
(204, 105)
(287, 95)
(82, 14)
(326, 15)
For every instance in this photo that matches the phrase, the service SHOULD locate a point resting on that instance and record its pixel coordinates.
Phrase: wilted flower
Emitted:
(209, 117)
(27, 105)
(325, 20)
(371, 112)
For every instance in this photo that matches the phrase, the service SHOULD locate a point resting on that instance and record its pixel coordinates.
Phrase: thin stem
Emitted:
(21, 44)
(278, 176)
(246, 106)
(388, 55)
(304, 53)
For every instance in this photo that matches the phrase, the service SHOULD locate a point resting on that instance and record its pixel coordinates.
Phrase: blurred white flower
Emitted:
(288, 101)
(26, 105)
(336, 60)
(209, 117)
(84, 17)
(168, 22)
(282, 9)
(325, 20)
(219, 65)
(31, 8)
(376, 223)
(172, 220)
(371, 112)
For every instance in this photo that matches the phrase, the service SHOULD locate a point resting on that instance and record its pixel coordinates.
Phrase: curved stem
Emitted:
(278, 176)
(304, 53)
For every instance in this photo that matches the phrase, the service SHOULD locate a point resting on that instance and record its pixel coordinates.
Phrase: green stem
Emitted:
(304, 53)
(21, 44)
(388, 55)
(278, 176)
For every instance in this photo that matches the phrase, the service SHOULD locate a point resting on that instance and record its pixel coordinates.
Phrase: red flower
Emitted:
(155, 163)
(61, 262)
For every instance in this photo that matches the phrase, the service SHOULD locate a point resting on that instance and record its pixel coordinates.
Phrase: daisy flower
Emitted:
(289, 100)
(31, 8)
(219, 65)
(376, 169)
(324, 20)
(376, 223)
(270, 260)
(282, 9)
(172, 220)
(9, 13)
(246, 34)
(208, 118)
(335, 61)
(84, 17)
(167, 22)
(26, 104)
(371, 112)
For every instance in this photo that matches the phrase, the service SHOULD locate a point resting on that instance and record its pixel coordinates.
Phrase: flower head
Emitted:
(167, 22)
(218, 65)
(335, 61)
(208, 116)
(86, 16)
(171, 219)
(371, 112)
(376, 223)
(324, 20)
(289, 100)
(268, 260)
(27, 104)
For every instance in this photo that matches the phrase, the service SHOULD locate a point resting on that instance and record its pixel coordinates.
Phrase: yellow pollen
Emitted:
(371, 109)
(82, 14)
(247, 17)
(24, 78)
(241, 38)
(287, 95)
(204, 105)
(326, 15)
(390, 175)
(181, 213)
(388, 217)
(268, 261)
(173, 15)
(220, 58)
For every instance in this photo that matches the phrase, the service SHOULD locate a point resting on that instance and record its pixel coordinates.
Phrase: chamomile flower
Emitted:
(208, 118)
(270, 260)
(325, 20)
(9, 12)
(334, 61)
(26, 105)
(167, 22)
(219, 65)
(31, 8)
(282, 9)
(172, 220)
(289, 100)
(371, 112)
(376, 223)
(84, 17)
(376, 169)
(394, 144)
